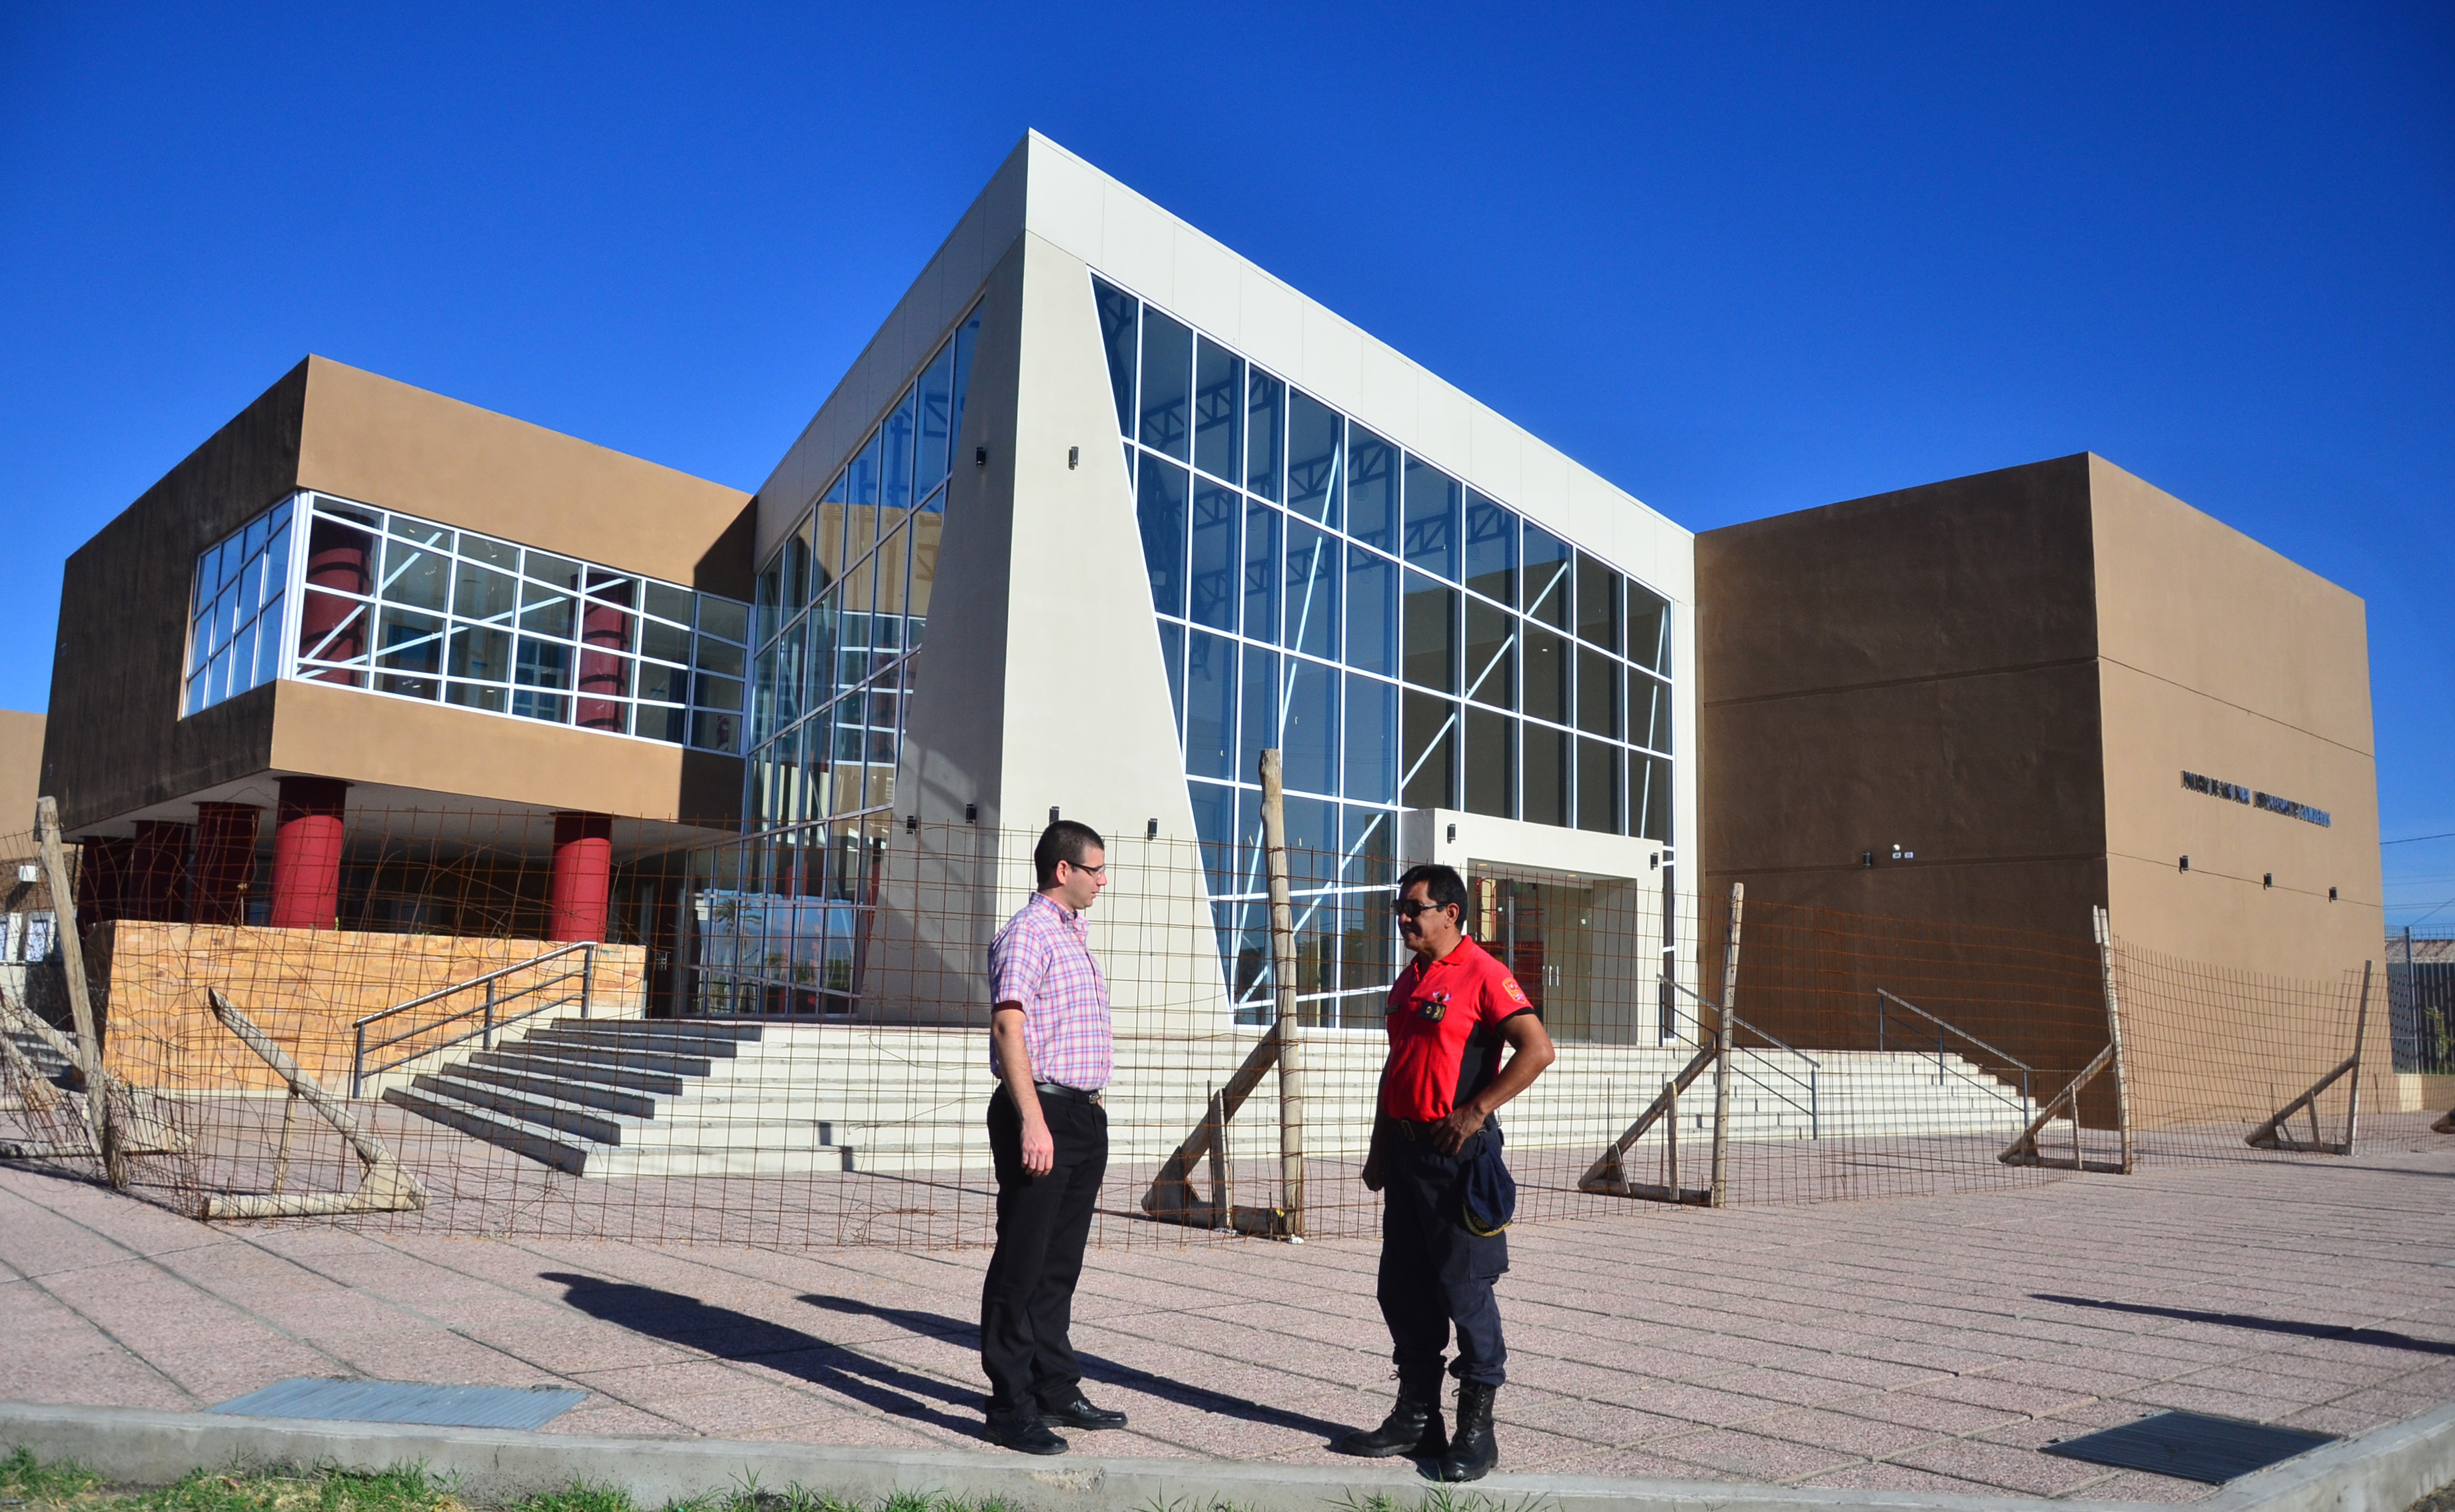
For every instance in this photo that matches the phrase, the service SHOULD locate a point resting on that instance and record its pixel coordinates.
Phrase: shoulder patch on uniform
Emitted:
(1509, 985)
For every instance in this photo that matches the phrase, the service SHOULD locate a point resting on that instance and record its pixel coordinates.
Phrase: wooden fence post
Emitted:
(2113, 1038)
(1722, 1052)
(1283, 977)
(71, 947)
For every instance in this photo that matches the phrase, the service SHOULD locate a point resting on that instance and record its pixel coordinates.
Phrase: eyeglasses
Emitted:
(1101, 869)
(1408, 908)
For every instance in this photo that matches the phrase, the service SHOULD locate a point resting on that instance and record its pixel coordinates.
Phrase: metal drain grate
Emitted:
(337, 1401)
(2191, 1446)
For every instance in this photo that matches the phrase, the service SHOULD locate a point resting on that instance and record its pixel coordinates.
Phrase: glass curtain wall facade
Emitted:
(1405, 641)
(843, 609)
(402, 607)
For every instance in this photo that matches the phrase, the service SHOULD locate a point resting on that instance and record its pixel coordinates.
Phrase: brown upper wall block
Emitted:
(380, 442)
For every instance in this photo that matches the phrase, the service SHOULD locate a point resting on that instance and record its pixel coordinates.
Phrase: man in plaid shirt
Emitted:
(1051, 1049)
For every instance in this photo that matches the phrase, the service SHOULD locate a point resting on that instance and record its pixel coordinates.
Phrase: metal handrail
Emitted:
(1814, 1106)
(1886, 994)
(489, 1022)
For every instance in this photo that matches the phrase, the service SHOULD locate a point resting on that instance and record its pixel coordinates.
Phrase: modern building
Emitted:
(1102, 512)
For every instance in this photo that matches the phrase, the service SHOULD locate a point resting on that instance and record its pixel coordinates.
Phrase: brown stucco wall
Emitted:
(1916, 668)
(21, 769)
(114, 740)
(2223, 657)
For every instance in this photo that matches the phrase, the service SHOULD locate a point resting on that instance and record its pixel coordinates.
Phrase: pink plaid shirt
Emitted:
(1042, 960)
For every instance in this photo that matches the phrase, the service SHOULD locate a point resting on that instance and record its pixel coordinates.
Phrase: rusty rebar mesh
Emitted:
(779, 1039)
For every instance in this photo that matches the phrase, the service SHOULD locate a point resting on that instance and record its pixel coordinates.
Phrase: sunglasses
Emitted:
(1408, 908)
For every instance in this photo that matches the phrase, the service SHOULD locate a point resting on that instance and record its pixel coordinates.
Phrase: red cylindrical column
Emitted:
(158, 888)
(306, 854)
(225, 855)
(604, 671)
(583, 875)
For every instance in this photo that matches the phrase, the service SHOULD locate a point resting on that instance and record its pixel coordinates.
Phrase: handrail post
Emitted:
(1939, 1055)
(486, 1037)
(1722, 1052)
(1815, 1113)
(358, 1060)
(587, 977)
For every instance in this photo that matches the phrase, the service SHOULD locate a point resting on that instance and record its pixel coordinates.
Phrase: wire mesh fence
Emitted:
(2420, 997)
(781, 1038)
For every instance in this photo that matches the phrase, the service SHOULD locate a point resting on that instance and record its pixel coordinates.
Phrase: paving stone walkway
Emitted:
(1932, 1344)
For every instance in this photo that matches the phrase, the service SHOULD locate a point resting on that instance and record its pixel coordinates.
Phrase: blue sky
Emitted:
(1740, 260)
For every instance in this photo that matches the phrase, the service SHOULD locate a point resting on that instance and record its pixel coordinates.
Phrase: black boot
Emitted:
(1413, 1427)
(1474, 1451)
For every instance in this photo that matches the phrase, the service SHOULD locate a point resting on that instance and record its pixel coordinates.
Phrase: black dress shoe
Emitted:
(1029, 1435)
(1079, 1413)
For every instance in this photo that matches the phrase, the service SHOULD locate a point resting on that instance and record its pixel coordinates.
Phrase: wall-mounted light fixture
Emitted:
(1866, 858)
(971, 814)
(1073, 457)
(2267, 878)
(912, 824)
(1653, 862)
(979, 456)
(2331, 895)
(2186, 863)
(1452, 835)
(1151, 829)
(1052, 814)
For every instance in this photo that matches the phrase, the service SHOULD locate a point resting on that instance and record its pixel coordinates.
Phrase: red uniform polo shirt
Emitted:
(1445, 1023)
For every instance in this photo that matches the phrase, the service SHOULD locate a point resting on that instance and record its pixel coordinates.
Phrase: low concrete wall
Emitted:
(305, 988)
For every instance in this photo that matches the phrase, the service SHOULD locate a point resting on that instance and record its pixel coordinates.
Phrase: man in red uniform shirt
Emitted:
(1451, 1012)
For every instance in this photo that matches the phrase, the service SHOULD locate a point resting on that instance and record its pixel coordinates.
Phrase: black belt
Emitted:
(1063, 1092)
(1423, 1130)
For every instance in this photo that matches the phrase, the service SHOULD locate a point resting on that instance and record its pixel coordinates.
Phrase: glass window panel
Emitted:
(966, 340)
(1649, 711)
(861, 477)
(560, 571)
(1259, 705)
(415, 575)
(1431, 538)
(1313, 592)
(1218, 517)
(252, 538)
(1649, 628)
(925, 532)
(1490, 655)
(217, 677)
(717, 732)
(501, 554)
(1218, 410)
(936, 417)
(1598, 678)
(715, 693)
(1119, 316)
(1372, 740)
(409, 644)
(1171, 652)
(1547, 577)
(1598, 597)
(243, 659)
(1209, 706)
(795, 590)
(768, 594)
(1315, 476)
(544, 613)
(607, 586)
(1308, 746)
(1371, 489)
(1544, 664)
(719, 656)
(893, 559)
(858, 584)
(1650, 788)
(1598, 787)
(1491, 549)
(665, 601)
(1371, 613)
(1431, 634)
(1214, 826)
(482, 594)
(482, 654)
(728, 617)
(1262, 573)
(1168, 381)
(1159, 508)
(1491, 763)
(656, 638)
(1266, 406)
(664, 683)
(1371, 844)
(269, 642)
(276, 558)
(792, 663)
(1430, 746)
(895, 461)
(1545, 791)
(474, 695)
(541, 664)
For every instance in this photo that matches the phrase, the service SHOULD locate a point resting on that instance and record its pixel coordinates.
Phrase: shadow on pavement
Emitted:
(2383, 1338)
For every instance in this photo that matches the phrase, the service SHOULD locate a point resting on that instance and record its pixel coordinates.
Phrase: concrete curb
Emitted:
(2383, 1471)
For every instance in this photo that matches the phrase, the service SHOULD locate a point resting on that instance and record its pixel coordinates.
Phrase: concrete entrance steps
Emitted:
(663, 1098)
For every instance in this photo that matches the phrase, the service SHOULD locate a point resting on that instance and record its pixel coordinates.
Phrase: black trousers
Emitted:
(1028, 1300)
(1435, 1273)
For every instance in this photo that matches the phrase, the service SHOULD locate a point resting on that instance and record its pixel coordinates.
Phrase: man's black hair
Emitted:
(1064, 841)
(1442, 884)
